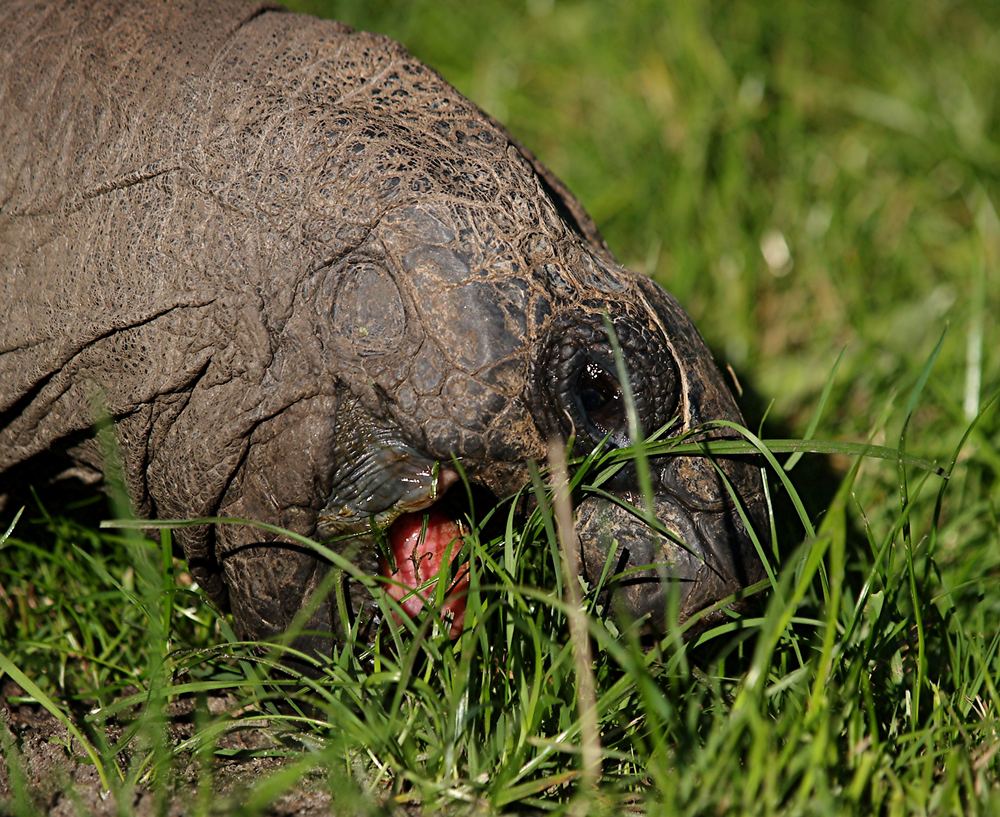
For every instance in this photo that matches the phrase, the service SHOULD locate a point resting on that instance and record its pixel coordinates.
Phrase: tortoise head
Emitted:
(700, 549)
(481, 334)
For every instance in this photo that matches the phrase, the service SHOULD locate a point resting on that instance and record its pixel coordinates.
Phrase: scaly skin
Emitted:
(298, 269)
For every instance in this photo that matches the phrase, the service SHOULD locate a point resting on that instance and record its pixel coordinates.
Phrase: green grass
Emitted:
(814, 181)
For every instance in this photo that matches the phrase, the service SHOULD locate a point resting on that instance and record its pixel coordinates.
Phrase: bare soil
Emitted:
(62, 782)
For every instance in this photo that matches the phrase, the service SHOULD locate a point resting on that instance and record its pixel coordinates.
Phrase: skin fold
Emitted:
(300, 274)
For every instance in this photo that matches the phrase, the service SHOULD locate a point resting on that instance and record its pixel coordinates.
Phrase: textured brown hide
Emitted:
(268, 246)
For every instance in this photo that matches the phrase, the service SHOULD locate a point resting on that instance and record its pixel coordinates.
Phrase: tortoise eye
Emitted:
(576, 394)
(600, 398)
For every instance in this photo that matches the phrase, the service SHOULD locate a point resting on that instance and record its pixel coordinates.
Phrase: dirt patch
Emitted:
(62, 782)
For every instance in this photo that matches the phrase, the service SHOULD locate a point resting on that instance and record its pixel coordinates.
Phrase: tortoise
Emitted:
(307, 281)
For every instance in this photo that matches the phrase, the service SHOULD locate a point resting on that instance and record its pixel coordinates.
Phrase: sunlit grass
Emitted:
(860, 685)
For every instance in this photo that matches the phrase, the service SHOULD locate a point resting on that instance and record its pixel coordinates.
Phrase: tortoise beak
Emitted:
(697, 554)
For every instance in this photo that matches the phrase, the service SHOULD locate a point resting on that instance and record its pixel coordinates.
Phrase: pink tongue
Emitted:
(420, 559)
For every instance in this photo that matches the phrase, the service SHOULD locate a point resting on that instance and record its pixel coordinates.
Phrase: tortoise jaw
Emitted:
(698, 554)
(651, 579)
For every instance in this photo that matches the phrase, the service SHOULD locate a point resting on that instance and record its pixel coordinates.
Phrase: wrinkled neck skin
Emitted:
(304, 275)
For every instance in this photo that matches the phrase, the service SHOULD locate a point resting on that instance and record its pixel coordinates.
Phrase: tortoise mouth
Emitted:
(426, 561)
(424, 550)
(644, 577)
